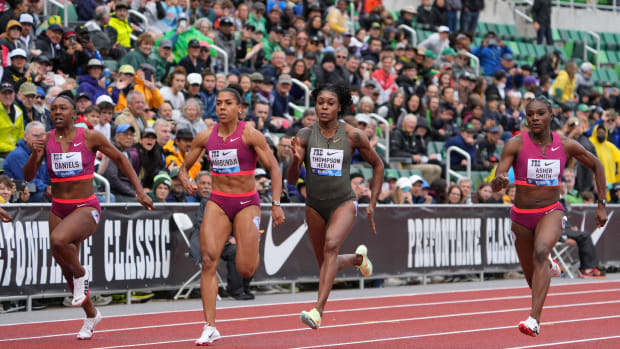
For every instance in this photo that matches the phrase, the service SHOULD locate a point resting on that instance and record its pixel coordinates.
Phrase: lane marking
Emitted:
(568, 342)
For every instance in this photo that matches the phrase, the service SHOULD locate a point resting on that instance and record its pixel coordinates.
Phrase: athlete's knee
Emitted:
(208, 263)
(246, 270)
(331, 247)
(541, 253)
(57, 242)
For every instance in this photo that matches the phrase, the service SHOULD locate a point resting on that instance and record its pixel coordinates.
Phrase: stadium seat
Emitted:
(435, 147)
(112, 65)
(367, 173)
(71, 11)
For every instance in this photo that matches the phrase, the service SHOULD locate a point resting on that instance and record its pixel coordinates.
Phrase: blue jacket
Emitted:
(490, 57)
(208, 101)
(91, 86)
(14, 164)
(456, 158)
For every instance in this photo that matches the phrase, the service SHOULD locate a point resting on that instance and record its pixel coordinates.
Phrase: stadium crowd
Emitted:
(150, 87)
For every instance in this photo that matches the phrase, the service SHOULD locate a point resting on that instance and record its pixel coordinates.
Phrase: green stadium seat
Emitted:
(540, 50)
(564, 35)
(355, 170)
(514, 47)
(608, 41)
(603, 58)
(555, 34)
(112, 65)
(435, 147)
(481, 29)
(367, 173)
(71, 11)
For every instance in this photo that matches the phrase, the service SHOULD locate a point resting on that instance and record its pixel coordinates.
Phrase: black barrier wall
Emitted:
(134, 248)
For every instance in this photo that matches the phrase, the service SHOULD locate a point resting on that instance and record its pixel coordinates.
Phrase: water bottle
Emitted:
(106, 73)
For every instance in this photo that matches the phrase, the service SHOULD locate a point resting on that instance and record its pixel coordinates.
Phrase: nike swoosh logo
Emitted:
(276, 256)
(330, 154)
(226, 153)
(70, 156)
(598, 232)
(81, 205)
(245, 202)
(75, 145)
(548, 163)
(336, 140)
(556, 148)
(233, 139)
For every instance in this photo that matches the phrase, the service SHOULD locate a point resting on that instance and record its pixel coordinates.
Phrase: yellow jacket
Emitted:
(10, 132)
(566, 84)
(337, 21)
(123, 30)
(152, 97)
(609, 155)
(172, 154)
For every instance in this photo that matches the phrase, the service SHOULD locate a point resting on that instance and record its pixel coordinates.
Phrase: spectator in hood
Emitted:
(584, 81)
(93, 83)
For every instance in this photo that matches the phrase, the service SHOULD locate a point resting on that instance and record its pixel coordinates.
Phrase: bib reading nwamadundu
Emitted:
(543, 172)
(224, 161)
(67, 164)
(326, 162)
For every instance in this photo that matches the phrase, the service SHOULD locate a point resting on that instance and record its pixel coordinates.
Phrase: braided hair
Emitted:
(545, 101)
(342, 91)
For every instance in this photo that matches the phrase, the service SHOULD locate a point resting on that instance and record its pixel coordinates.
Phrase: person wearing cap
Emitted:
(162, 59)
(16, 73)
(437, 42)
(465, 141)
(92, 83)
(25, 101)
(191, 63)
(584, 82)
(249, 51)
(271, 43)
(194, 83)
(162, 184)
(278, 103)
(17, 8)
(151, 154)
(49, 42)
(407, 14)
(225, 38)
(11, 39)
(118, 27)
(144, 46)
(606, 151)
(530, 84)
(129, 80)
(99, 34)
(11, 119)
(120, 183)
(486, 148)
(490, 52)
(256, 16)
(177, 149)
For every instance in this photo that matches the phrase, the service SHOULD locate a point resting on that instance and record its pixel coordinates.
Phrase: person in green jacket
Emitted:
(181, 36)
(134, 58)
(162, 59)
(119, 30)
(11, 120)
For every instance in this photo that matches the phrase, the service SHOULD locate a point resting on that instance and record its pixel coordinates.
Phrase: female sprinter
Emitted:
(70, 156)
(326, 149)
(232, 147)
(538, 158)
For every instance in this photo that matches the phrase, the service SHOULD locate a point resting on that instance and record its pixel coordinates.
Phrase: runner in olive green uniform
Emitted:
(325, 149)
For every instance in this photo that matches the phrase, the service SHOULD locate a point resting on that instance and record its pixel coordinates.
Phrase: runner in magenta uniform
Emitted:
(70, 156)
(538, 158)
(233, 147)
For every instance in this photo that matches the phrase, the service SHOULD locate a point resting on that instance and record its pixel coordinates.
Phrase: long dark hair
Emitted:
(304, 76)
(343, 92)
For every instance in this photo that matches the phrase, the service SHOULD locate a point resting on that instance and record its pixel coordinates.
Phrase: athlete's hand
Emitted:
(601, 216)
(38, 147)
(190, 187)
(298, 150)
(5, 216)
(277, 214)
(145, 201)
(370, 211)
(499, 182)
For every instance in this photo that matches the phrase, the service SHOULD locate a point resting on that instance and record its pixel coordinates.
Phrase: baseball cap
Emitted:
(285, 79)
(408, 9)
(259, 172)
(443, 29)
(104, 99)
(194, 79)
(375, 25)
(529, 95)
(165, 43)
(226, 21)
(122, 128)
(391, 173)
(616, 186)
(149, 131)
(468, 128)
(403, 183)
(400, 46)
(448, 51)
(258, 6)
(7, 86)
(121, 4)
(430, 54)
(583, 107)
(26, 18)
(82, 95)
(126, 69)
(18, 52)
(528, 80)
(56, 27)
(586, 66)
(42, 59)
(277, 29)
(256, 77)
(507, 56)
(184, 133)
(94, 62)
(40, 91)
(361, 117)
(415, 179)
(193, 43)
(13, 23)
(28, 89)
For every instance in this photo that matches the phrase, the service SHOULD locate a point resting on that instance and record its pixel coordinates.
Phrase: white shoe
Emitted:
(529, 327)
(86, 332)
(81, 290)
(366, 266)
(556, 270)
(209, 335)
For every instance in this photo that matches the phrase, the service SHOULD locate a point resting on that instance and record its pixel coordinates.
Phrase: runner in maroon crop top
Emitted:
(538, 158)
(70, 155)
(232, 147)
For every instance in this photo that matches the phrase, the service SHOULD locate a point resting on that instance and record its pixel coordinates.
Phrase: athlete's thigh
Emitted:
(76, 227)
(340, 224)
(245, 227)
(316, 232)
(214, 231)
(524, 244)
(549, 229)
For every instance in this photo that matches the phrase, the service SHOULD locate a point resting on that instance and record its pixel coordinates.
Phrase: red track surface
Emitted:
(575, 316)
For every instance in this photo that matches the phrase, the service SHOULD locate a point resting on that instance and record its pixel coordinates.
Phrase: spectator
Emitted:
(162, 59)
(393, 111)
(385, 78)
(307, 119)
(204, 186)
(173, 93)
(92, 83)
(161, 187)
(133, 114)
(584, 82)
(429, 16)
(25, 101)
(360, 188)
(190, 116)
(563, 87)
(16, 73)
(483, 194)
(107, 47)
(568, 187)
(470, 14)
(276, 66)
(176, 150)
(466, 187)
(120, 185)
(13, 191)
(588, 258)
(191, 61)
(106, 113)
(372, 52)
(418, 195)
(151, 157)
(17, 158)
(541, 14)
(278, 103)
(225, 39)
(162, 131)
(465, 141)
(490, 53)
(263, 185)
(208, 94)
(178, 193)
(17, 8)
(118, 29)
(144, 47)
(10, 41)
(455, 195)
(486, 149)
(11, 120)
(437, 42)
(608, 153)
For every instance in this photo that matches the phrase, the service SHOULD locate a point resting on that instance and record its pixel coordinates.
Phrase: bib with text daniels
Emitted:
(543, 172)
(326, 162)
(224, 161)
(67, 164)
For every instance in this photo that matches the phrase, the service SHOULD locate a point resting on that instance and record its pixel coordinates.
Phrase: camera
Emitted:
(20, 185)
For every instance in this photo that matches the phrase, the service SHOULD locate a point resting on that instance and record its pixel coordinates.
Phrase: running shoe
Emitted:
(80, 289)
(366, 266)
(592, 273)
(529, 327)
(311, 318)
(209, 335)
(555, 267)
(86, 332)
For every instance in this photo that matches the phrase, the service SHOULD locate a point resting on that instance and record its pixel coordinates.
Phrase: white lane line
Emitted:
(588, 282)
(467, 331)
(568, 342)
(332, 326)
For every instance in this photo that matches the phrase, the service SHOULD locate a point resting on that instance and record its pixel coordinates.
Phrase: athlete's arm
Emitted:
(35, 159)
(257, 141)
(360, 141)
(97, 141)
(509, 153)
(299, 144)
(576, 150)
(5, 216)
(197, 147)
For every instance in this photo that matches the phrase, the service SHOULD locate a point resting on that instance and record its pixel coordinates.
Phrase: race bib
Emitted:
(326, 162)
(224, 161)
(67, 164)
(543, 172)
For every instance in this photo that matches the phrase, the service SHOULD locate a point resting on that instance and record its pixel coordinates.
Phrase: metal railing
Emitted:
(306, 92)
(142, 18)
(450, 172)
(521, 13)
(224, 54)
(106, 185)
(296, 107)
(414, 35)
(64, 6)
(382, 120)
(476, 60)
(587, 48)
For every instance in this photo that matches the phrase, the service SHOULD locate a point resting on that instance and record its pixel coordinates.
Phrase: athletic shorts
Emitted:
(232, 203)
(64, 207)
(529, 217)
(326, 207)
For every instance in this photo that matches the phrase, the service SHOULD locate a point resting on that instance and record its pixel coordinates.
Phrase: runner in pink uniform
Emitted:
(538, 158)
